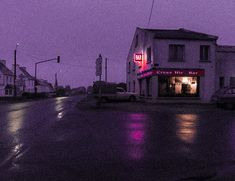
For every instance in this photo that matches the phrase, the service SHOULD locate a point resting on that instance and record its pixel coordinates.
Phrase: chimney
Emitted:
(3, 62)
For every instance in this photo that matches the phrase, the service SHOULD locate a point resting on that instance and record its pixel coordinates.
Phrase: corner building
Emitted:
(172, 65)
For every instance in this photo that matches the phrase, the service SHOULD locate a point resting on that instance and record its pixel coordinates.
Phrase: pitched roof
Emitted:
(225, 48)
(5, 70)
(180, 34)
(26, 73)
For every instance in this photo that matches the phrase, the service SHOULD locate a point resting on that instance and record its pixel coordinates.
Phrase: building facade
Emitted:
(172, 65)
(24, 81)
(225, 56)
(6, 80)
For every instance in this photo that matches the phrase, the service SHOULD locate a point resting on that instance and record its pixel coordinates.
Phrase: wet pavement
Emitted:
(56, 140)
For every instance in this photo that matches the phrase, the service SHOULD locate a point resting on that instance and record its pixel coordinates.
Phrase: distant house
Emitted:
(6, 80)
(44, 87)
(78, 90)
(24, 81)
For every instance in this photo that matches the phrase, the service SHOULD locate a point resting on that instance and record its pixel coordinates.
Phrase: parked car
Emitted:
(225, 97)
(106, 92)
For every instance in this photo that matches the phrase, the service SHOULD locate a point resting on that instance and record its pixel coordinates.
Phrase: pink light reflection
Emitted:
(136, 135)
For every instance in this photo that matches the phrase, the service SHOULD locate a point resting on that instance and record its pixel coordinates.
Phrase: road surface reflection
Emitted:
(59, 107)
(186, 130)
(136, 135)
(15, 122)
(187, 127)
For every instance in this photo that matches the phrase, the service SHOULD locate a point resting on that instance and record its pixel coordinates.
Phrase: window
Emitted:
(176, 53)
(129, 67)
(204, 53)
(120, 90)
(140, 87)
(221, 82)
(232, 81)
(6, 91)
(136, 40)
(149, 55)
(10, 91)
(149, 87)
(133, 67)
(178, 86)
(133, 86)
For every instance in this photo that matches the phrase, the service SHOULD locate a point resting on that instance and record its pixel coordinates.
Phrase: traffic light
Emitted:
(58, 59)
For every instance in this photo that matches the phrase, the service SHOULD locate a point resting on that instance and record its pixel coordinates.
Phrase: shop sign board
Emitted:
(172, 72)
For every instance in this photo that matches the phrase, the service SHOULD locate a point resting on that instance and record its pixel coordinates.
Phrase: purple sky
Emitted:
(78, 30)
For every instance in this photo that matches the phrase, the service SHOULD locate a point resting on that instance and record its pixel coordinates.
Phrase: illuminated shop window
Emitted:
(178, 86)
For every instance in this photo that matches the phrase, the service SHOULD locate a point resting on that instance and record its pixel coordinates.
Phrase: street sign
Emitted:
(99, 66)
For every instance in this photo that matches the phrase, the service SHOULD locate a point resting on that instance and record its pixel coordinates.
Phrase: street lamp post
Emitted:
(35, 81)
(17, 44)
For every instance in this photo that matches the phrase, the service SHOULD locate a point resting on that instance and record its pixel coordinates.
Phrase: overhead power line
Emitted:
(150, 15)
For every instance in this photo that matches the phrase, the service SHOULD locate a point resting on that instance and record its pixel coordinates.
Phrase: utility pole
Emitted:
(106, 69)
(35, 80)
(14, 93)
(99, 67)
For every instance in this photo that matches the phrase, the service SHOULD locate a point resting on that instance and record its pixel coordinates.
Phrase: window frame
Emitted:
(149, 55)
(129, 67)
(202, 53)
(174, 53)
(221, 82)
(136, 41)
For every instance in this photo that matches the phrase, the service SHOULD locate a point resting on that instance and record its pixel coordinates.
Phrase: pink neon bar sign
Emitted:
(138, 57)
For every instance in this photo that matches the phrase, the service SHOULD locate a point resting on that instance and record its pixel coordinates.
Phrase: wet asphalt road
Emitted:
(55, 140)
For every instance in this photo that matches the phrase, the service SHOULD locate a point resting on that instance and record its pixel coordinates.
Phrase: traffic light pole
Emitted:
(35, 73)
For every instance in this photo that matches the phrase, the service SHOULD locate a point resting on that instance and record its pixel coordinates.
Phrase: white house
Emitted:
(6, 80)
(44, 87)
(172, 65)
(24, 81)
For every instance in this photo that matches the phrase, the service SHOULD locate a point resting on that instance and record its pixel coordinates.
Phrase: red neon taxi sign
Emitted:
(138, 57)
